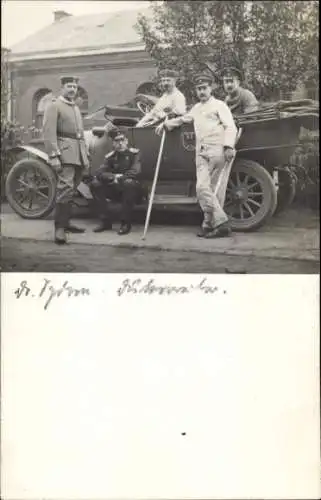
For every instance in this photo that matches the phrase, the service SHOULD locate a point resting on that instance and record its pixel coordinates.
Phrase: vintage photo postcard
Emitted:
(160, 250)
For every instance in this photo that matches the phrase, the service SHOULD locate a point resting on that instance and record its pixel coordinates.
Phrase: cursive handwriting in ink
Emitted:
(137, 286)
(49, 292)
(22, 290)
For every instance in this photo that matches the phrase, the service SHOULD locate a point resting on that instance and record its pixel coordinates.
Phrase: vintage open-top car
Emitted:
(260, 183)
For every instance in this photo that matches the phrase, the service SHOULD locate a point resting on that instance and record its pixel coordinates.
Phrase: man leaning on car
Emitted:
(215, 133)
(68, 155)
(172, 102)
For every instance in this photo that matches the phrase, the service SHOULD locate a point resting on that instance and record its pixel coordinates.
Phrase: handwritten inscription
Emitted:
(49, 292)
(150, 287)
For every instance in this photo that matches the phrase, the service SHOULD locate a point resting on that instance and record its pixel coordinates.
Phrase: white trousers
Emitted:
(211, 170)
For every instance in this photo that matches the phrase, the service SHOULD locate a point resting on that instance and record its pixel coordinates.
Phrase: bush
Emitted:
(306, 166)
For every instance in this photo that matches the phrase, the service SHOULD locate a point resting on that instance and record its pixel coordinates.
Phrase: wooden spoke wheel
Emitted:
(30, 188)
(251, 196)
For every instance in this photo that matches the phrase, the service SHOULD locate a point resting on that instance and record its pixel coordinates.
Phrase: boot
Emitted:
(204, 231)
(222, 231)
(60, 236)
(61, 221)
(125, 228)
(71, 228)
(104, 225)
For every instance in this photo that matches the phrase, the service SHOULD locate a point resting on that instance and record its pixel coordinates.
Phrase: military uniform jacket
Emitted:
(242, 101)
(125, 162)
(64, 133)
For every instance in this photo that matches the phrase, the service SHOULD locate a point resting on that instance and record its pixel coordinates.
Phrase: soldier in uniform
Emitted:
(238, 99)
(171, 103)
(215, 133)
(68, 155)
(117, 180)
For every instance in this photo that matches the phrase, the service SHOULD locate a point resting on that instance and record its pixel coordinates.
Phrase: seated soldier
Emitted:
(172, 102)
(117, 180)
(238, 99)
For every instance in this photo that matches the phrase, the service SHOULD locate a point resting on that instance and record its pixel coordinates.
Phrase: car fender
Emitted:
(83, 189)
(34, 151)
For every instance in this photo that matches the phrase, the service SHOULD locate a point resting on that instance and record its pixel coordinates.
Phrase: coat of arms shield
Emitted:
(188, 140)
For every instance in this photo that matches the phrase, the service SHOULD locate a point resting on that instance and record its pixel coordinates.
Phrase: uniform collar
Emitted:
(125, 152)
(63, 99)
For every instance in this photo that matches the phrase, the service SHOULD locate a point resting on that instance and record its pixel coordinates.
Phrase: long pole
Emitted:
(228, 165)
(151, 198)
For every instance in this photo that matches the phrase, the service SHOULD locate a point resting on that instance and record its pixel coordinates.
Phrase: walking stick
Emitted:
(228, 165)
(151, 198)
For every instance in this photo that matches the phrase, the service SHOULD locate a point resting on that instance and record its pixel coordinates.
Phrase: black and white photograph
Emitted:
(160, 137)
(160, 250)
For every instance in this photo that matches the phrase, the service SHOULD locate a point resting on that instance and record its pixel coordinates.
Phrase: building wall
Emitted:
(108, 79)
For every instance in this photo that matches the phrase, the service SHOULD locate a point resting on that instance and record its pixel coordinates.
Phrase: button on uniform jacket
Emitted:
(126, 163)
(64, 132)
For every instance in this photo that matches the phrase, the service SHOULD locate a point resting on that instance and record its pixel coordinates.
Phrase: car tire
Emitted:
(248, 179)
(46, 174)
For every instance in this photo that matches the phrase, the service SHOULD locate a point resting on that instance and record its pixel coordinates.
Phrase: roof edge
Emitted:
(52, 54)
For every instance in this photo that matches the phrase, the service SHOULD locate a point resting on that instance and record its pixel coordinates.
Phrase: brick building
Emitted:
(104, 50)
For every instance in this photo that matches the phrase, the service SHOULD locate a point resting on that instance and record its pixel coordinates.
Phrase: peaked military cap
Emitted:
(168, 73)
(202, 78)
(116, 134)
(231, 71)
(69, 79)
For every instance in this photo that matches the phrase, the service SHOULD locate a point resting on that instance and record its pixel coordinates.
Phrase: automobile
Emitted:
(261, 182)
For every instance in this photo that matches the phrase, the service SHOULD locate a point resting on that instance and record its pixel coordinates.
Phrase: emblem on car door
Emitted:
(188, 140)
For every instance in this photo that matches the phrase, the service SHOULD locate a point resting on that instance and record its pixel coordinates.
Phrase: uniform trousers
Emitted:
(212, 176)
(67, 182)
(126, 191)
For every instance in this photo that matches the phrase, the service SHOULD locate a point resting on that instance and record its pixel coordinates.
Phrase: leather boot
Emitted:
(60, 236)
(71, 228)
(222, 231)
(61, 221)
(125, 228)
(204, 231)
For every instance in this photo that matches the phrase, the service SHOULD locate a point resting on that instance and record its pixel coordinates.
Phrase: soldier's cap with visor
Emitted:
(116, 134)
(231, 72)
(202, 78)
(167, 73)
(69, 79)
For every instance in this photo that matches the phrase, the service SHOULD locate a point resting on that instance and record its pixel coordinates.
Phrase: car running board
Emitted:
(161, 199)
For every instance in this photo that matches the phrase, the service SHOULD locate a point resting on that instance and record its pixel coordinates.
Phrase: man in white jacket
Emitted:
(171, 103)
(215, 133)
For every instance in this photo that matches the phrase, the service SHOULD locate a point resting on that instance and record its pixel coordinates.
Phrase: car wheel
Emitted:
(251, 196)
(30, 188)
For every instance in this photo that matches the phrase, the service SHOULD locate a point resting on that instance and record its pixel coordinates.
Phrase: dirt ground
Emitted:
(44, 256)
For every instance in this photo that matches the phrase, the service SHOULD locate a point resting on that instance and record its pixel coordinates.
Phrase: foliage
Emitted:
(274, 43)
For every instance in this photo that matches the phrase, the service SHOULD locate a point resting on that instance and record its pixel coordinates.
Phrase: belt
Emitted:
(71, 136)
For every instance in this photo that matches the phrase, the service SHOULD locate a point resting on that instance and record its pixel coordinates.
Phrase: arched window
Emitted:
(40, 100)
(82, 101)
